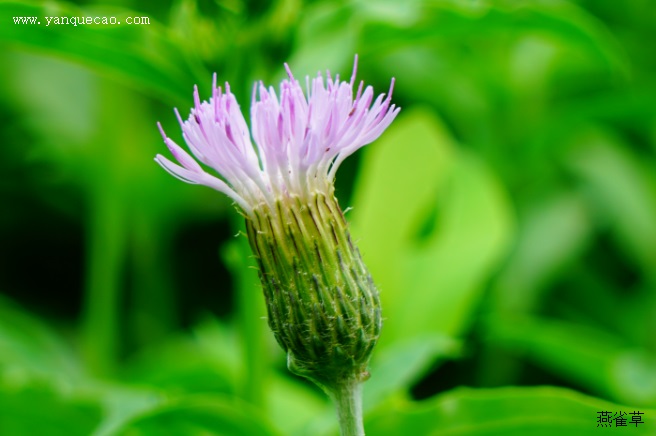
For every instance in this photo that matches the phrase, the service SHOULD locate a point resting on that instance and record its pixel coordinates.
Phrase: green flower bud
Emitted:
(323, 307)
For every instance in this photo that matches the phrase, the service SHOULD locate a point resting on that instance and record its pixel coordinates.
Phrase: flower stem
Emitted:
(348, 400)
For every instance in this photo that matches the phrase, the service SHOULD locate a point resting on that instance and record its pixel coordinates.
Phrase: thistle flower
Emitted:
(322, 304)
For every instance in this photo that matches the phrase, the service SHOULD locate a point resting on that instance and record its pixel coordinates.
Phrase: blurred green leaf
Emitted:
(121, 404)
(400, 175)
(29, 347)
(325, 42)
(447, 274)
(622, 189)
(602, 362)
(295, 406)
(541, 411)
(407, 12)
(35, 408)
(433, 222)
(142, 55)
(198, 372)
(201, 415)
(553, 233)
(496, 70)
(398, 366)
(491, 23)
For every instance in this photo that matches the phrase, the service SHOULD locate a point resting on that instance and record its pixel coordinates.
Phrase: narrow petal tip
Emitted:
(289, 72)
(161, 131)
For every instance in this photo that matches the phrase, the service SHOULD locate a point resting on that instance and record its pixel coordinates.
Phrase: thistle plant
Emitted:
(323, 307)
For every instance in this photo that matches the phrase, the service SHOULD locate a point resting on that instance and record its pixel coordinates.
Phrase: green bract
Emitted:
(322, 303)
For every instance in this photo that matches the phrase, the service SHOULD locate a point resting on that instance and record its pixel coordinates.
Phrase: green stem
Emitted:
(103, 288)
(348, 400)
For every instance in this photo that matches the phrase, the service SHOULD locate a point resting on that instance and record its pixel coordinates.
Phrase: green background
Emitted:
(508, 217)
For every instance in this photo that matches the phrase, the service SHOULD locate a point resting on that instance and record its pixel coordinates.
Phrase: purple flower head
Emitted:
(301, 137)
